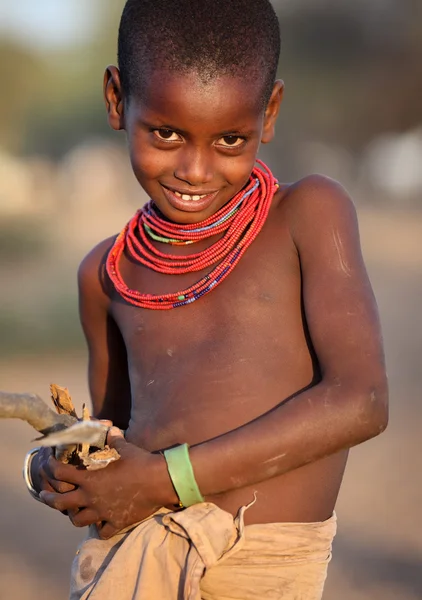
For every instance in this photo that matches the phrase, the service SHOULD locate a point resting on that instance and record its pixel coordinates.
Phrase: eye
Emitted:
(167, 135)
(231, 141)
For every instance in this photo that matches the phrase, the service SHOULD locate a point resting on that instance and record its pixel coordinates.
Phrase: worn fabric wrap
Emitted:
(202, 552)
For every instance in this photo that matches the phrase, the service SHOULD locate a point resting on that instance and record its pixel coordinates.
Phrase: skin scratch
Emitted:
(339, 247)
(275, 458)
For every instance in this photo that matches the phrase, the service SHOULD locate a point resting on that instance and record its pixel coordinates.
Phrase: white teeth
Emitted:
(188, 197)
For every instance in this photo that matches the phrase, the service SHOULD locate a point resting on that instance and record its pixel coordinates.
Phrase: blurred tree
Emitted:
(20, 73)
(54, 100)
(353, 67)
(352, 71)
(75, 106)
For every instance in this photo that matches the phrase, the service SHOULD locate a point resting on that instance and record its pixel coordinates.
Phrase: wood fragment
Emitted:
(100, 459)
(66, 454)
(84, 451)
(92, 433)
(62, 400)
(85, 413)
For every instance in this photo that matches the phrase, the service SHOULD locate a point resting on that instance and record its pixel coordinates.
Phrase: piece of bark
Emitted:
(100, 458)
(84, 451)
(62, 400)
(64, 406)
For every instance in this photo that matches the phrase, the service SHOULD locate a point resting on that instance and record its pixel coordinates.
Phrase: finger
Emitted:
(56, 470)
(64, 502)
(46, 487)
(115, 438)
(84, 517)
(45, 484)
(61, 487)
(39, 475)
(53, 485)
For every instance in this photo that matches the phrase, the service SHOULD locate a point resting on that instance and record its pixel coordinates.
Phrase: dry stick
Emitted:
(32, 409)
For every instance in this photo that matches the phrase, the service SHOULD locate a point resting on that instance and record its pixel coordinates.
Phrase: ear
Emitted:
(113, 97)
(271, 112)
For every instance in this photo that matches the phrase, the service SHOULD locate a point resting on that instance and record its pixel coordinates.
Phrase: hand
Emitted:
(124, 493)
(39, 476)
(38, 469)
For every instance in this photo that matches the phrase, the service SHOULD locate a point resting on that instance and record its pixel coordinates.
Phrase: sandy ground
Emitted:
(378, 550)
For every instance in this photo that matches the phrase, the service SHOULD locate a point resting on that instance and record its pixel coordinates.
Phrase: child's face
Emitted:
(193, 145)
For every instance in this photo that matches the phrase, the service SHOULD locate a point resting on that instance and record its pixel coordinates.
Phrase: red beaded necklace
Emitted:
(241, 219)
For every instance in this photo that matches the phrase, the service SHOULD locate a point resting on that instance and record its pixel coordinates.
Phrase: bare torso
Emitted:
(208, 368)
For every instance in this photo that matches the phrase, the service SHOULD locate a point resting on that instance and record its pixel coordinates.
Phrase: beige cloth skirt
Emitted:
(202, 552)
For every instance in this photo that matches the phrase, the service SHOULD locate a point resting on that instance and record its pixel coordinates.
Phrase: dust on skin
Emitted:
(275, 458)
(340, 253)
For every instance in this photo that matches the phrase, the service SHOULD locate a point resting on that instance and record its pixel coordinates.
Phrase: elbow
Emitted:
(373, 410)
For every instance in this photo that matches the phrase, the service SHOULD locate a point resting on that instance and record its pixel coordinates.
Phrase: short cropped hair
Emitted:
(239, 38)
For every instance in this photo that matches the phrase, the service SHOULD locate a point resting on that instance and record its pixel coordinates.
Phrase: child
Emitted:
(233, 314)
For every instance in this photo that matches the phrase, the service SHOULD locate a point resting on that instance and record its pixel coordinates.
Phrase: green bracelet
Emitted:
(182, 476)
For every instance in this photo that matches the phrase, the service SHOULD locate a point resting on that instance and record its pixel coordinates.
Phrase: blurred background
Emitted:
(352, 110)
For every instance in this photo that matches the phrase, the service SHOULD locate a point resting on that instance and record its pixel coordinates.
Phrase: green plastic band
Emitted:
(182, 476)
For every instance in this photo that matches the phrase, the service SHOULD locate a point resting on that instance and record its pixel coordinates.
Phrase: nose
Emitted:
(194, 166)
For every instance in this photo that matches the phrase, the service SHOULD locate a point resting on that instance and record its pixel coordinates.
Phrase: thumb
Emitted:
(116, 438)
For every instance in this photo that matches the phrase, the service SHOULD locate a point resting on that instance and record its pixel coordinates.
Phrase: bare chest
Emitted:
(202, 369)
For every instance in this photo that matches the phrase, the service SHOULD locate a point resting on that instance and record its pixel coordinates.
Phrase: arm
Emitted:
(107, 367)
(107, 360)
(349, 404)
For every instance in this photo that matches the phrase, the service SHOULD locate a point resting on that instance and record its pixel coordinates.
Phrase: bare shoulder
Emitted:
(91, 273)
(316, 204)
